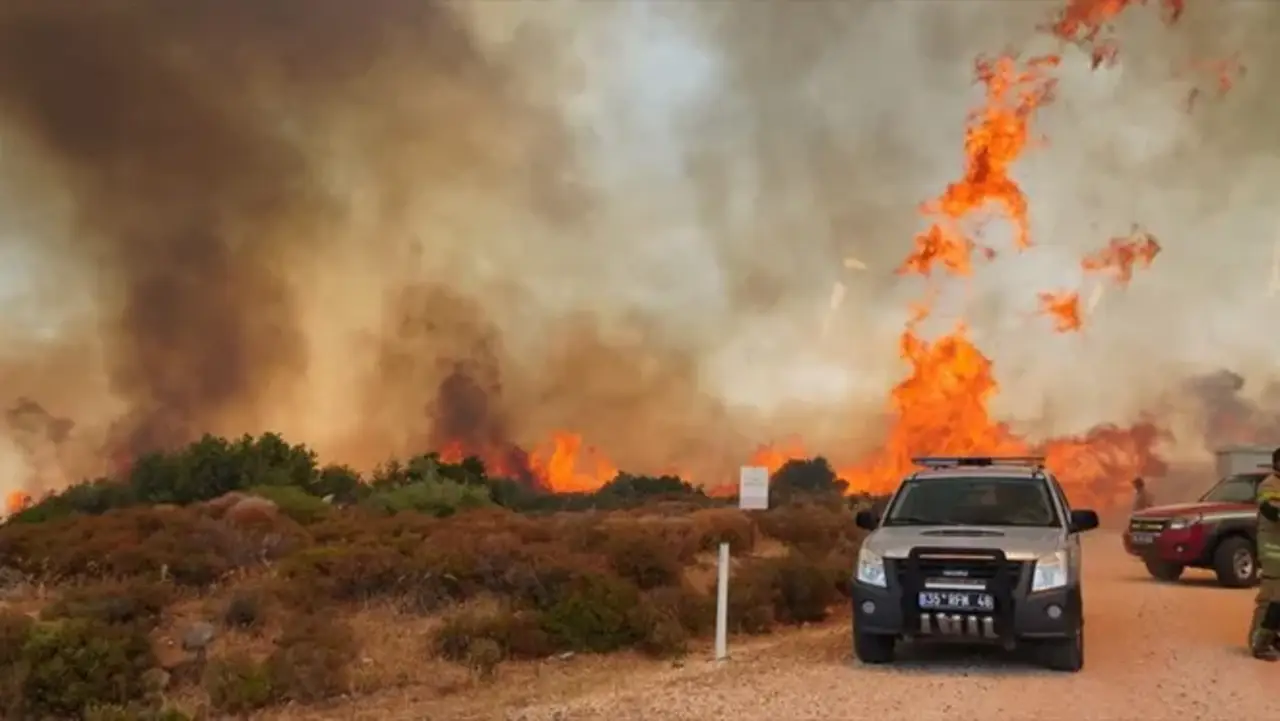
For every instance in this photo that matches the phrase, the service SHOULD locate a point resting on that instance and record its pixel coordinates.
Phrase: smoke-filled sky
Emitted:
(622, 218)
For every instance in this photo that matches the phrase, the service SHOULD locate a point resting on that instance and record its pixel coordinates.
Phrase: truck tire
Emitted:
(1065, 654)
(1165, 571)
(873, 648)
(1236, 563)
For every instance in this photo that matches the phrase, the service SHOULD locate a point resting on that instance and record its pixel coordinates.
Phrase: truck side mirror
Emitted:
(866, 520)
(1083, 520)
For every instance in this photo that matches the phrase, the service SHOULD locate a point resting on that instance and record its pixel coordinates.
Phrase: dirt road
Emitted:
(1154, 651)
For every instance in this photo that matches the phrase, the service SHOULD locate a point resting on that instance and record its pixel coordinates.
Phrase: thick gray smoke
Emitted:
(358, 223)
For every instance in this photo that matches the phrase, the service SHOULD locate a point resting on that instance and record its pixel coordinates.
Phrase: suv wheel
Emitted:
(1236, 563)
(1065, 654)
(873, 647)
(1164, 571)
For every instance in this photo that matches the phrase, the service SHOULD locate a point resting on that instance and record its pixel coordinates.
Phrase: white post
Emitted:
(722, 605)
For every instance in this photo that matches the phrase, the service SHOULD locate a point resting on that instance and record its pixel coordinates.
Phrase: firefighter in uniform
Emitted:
(1266, 627)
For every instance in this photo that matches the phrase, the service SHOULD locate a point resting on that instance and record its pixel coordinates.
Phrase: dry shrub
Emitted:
(356, 572)
(246, 609)
(693, 610)
(645, 559)
(811, 528)
(483, 658)
(794, 589)
(669, 617)
(132, 712)
(180, 543)
(518, 634)
(114, 602)
(310, 660)
(751, 599)
(714, 526)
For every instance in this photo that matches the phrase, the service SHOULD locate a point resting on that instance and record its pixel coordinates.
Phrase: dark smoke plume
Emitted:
(1227, 416)
(177, 129)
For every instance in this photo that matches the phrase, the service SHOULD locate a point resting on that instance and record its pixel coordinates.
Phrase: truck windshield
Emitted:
(973, 501)
(1240, 488)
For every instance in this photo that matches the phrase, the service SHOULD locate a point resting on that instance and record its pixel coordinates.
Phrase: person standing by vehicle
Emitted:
(1141, 496)
(1264, 637)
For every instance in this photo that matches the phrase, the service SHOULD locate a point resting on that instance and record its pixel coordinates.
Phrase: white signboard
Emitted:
(753, 488)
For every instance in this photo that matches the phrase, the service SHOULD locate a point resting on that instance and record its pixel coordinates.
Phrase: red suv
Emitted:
(1218, 532)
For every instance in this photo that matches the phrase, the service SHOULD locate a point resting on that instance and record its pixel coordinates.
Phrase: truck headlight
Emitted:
(1050, 572)
(870, 568)
(1182, 522)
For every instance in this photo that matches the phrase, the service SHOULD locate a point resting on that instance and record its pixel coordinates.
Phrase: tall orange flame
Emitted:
(996, 136)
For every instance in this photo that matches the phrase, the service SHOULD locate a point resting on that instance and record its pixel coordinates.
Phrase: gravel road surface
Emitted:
(1153, 651)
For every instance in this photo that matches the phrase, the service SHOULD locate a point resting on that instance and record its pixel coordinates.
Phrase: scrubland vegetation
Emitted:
(236, 575)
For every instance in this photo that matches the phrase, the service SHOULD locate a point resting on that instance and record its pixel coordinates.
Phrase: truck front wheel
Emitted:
(1165, 571)
(1236, 563)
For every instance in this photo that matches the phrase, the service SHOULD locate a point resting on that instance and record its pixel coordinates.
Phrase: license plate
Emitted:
(957, 601)
(1142, 539)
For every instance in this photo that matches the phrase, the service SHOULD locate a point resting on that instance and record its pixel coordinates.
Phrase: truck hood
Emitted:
(1201, 508)
(1018, 543)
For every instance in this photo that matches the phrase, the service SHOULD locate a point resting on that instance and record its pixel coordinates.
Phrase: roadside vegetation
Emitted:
(235, 575)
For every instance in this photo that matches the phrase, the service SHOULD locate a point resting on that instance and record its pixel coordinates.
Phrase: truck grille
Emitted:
(981, 572)
(960, 566)
(1147, 525)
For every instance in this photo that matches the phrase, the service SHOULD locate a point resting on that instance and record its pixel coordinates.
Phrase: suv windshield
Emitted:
(1242, 488)
(973, 501)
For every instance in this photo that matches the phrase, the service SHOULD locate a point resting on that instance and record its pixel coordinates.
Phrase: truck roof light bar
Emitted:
(953, 461)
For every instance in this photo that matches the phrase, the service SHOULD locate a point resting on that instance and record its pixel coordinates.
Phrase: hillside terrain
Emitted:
(234, 576)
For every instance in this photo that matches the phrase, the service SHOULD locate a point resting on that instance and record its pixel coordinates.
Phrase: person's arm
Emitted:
(1269, 510)
(1269, 501)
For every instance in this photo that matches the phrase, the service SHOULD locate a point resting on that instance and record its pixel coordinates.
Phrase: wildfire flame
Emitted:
(15, 501)
(1118, 259)
(942, 406)
(1082, 23)
(996, 135)
(1064, 308)
(1122, 254)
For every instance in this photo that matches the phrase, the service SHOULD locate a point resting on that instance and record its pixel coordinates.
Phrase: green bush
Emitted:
(294, 503)
(15, 629)
(597, 614)
(438, 498)
(74, 663)
(238, 685)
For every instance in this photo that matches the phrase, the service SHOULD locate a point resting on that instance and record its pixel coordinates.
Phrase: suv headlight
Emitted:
(1050, 572)
(1182, 522)
(870, 568)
